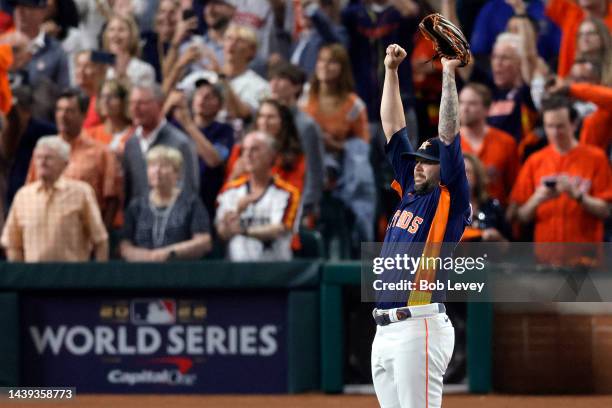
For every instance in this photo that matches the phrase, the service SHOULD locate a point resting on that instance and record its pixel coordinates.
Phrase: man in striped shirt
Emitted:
(257, 213)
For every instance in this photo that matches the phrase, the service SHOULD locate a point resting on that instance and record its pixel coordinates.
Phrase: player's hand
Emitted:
(395, 56)
(450, 64)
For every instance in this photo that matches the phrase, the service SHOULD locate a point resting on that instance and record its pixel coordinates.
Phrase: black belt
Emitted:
(383, 317)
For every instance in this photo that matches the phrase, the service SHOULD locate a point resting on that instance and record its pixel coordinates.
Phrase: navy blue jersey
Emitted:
(439, 216)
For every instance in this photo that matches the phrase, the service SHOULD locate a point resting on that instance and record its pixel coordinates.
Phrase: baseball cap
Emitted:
(29, 3)
(429, 150)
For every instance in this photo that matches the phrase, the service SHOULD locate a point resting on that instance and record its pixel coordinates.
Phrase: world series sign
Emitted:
(210, 344)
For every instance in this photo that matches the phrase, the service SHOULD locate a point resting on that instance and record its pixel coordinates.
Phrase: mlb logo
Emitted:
(153, 311)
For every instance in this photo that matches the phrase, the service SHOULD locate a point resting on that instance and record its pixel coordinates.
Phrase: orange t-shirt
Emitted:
(91, 116)
(568, 15)
(349, 120)
(499, 155)
(596, 127)
(100, 134)
(6, 60)
(563, 219)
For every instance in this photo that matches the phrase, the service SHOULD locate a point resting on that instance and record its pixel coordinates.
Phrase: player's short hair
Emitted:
(482, 91)
(55, 143)
(166, 153)
(558, 102)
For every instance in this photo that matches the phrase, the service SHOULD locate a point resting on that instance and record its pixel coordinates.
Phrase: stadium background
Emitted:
(310, 308)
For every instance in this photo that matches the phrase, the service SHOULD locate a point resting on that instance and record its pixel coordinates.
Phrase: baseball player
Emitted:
(414, 338)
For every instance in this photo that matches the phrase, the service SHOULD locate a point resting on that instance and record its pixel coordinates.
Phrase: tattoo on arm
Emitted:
(448, 124)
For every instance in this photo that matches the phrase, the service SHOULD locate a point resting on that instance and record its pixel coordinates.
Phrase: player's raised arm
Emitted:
(448, 123)
(391, 109)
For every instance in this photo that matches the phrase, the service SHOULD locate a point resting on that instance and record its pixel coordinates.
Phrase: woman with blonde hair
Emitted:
(168, 223)
(122, 38)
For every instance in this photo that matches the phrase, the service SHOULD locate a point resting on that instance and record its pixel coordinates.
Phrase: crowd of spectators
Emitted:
(153, 130)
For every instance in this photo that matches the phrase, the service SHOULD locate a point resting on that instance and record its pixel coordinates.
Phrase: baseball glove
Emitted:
(448, 40)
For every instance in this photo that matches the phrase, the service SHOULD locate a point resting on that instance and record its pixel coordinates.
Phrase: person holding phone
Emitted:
(565, 189)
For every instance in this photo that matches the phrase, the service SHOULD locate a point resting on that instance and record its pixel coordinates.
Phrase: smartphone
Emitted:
(187, 14)
(551, 183)
(101, 57)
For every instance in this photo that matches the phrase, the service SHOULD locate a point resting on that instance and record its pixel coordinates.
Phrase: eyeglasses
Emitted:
(587, 33)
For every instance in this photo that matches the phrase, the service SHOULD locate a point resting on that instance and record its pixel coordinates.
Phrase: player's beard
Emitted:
(425, 187)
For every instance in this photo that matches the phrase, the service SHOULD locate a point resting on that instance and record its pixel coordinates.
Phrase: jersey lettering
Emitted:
(406, 221)
(414, 227)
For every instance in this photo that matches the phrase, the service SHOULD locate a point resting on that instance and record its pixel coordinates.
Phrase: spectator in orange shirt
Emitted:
(568, 15)
(495, 148)
(275, 120)
(565, 189)
(112, 107)
(595, 42)
(90, 161)
(89, 74)
(332, 102)
(594, 101)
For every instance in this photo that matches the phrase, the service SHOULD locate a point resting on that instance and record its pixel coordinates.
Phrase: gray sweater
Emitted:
(135, 165)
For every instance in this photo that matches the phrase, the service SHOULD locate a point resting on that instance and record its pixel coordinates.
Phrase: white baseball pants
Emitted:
(409, 359)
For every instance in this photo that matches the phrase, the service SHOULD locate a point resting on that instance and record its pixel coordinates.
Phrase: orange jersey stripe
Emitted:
(432, 249)
(294, 202)
(395, 185)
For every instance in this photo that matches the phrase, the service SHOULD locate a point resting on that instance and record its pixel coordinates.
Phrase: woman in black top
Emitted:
(168, 223)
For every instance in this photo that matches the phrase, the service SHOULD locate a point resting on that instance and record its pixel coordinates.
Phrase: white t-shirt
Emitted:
(279, 204)
(138, 72)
